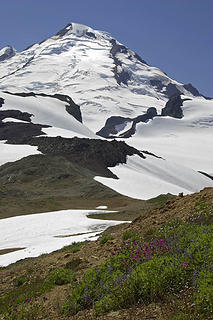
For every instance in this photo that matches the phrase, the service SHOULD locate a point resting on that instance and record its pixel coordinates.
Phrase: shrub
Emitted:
(204, 294)
(60, 276)
(74, 247)
(180, 256)
(20, 281)
(105, 238)
(73, 264)
(130, 234)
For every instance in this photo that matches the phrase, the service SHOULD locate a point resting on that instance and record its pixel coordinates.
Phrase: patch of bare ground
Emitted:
(4, 251)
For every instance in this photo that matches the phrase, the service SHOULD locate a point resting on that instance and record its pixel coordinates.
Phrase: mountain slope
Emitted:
(186, 141)
(83, 83)
(104, 77)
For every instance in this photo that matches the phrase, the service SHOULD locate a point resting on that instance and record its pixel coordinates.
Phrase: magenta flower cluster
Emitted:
(137, 252)
(26, 300)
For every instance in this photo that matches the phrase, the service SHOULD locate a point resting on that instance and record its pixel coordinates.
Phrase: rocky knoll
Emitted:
(94, 154)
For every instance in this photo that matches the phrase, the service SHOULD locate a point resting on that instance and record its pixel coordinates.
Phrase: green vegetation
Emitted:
(17, 304)
(20, 281)
(73, 264)
(130, 234)
(178, 258)
(173, 264)
(18, 295)
(105, 238)
(161, 199)
(60, 276)
(74, 247)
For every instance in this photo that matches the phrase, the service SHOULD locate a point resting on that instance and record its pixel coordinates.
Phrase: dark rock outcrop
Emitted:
(90, 35)
(171, 89)
(110, 131)
(157, 84)
(63, 31)
(173, 107)
(72, 108)
(140, 59)
(24, 116)
(122, 76)
(93, 154)
(1, 102)
(189, 87)
(150, 114)
(206, 175)
(13, 131)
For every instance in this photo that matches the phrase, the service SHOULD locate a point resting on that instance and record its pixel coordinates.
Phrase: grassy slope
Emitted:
(43, 183)
(27, 277)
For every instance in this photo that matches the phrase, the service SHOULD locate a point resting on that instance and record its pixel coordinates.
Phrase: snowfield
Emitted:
(13, 152)
(81, 63)
(45, 232)
(106, 79)
(186, 141)
(147, 178)
(48, 111)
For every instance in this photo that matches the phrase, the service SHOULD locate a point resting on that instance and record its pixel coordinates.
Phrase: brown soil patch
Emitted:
(4, 251)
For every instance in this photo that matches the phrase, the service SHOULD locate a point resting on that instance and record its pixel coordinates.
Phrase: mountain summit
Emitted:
(7, 53)
(102, 76)
(83, 83)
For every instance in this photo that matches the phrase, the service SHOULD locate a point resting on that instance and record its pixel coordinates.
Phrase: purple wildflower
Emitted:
(11, 302)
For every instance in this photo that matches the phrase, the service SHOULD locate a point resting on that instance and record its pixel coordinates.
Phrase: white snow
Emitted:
(78, 29)
(186, 141)
(7, 52)
(13, 120)
(13, 152)
(121, 128)
(47, 232)
(44, 110)
(82, 67)
(147, 178)
(102, 207)
(47, 111)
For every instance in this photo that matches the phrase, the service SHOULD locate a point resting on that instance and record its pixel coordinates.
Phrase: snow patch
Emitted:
(186, 141)
(13, 120)
(12, 152)
(102, 207)
(147, 178)
(47, 232)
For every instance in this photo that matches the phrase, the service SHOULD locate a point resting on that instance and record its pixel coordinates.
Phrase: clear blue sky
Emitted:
(174, 35)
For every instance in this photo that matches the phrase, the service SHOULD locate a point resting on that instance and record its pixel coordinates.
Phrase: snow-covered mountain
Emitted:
(7, 53)
(102, 76)
(82, 82)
